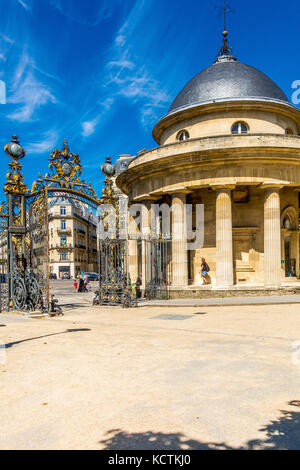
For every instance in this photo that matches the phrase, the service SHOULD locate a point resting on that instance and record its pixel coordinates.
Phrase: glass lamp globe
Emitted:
(108, 168)
(15, 150)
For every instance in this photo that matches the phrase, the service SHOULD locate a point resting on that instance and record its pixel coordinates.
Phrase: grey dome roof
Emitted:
(227, 79)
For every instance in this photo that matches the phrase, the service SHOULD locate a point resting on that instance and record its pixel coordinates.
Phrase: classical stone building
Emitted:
(230, 142)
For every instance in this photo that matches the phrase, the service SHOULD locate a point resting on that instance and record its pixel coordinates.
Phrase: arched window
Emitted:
(183, 135)
(239, 128)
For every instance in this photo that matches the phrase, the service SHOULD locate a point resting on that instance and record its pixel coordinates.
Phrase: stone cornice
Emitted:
(215, 152)
(225, 144)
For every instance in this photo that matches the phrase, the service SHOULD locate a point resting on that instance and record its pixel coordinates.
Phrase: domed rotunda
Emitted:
(230, 145)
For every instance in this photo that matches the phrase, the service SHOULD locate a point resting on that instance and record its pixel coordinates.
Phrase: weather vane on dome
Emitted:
(224, 10)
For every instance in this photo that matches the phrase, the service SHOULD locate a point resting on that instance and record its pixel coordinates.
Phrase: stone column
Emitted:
(132, 248)
(272, 237)
(179, 242)
(224, 247)
(145, 235)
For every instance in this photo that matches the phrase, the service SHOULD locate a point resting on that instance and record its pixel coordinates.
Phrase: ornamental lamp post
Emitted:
(15, 190)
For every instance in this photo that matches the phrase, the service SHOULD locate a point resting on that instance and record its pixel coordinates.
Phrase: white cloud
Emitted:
(30, 96)
(25, 5)
(89, 127)
(132, 23)
(107, 104)
(134, 82)
(7, 39)
(27, 92)
(95, 11)
(121, 63)
(23, 64)
(46, 144)
(105, 12)
(120, 40)
(130, 75)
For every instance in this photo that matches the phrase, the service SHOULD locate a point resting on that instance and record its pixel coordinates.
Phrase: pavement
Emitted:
(260, 300)
(214, 377)
(64, 291)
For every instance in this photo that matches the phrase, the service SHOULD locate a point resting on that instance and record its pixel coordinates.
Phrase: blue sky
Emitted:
(102, 72)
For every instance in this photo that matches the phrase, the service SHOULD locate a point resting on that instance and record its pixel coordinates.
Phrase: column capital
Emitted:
(178, 191)
(217, 187)
(145, 199)
(270, 185)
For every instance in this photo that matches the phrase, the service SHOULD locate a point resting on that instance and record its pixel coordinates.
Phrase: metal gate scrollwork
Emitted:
(24, 226)
(115, 288)
(114, 280)
(24, 292)
(158, 253)
(3, 257)
(27, 294)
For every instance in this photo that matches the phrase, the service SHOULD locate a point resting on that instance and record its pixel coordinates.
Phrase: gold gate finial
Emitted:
(65, 149)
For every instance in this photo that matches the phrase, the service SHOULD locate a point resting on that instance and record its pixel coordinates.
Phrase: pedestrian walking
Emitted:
(81, 284)
(204, 271)
(138, 284)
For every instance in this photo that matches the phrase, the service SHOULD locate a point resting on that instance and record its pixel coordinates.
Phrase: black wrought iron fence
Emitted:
(158, 257)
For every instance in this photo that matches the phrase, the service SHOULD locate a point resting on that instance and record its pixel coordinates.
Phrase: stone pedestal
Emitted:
(224, 248)
(272, 238)
(179, 242)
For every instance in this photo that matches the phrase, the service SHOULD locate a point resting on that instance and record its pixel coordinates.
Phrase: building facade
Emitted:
(72, 237)
(70, 226)
(230, 143)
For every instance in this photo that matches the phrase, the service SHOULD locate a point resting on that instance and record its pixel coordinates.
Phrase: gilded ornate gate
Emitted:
(3, 258)
(24, 226)
(17, 277)
(37, 240)
(114, 280)
(63, 182)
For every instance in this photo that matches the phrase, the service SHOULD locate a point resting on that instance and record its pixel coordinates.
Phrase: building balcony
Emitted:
(81, 232)
(58, 246)
(64, 231)
(81, 247)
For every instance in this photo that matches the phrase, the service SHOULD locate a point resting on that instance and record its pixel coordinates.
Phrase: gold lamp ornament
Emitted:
(14, 150)
(15, 177)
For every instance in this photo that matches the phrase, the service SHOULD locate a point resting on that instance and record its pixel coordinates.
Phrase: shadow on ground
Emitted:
(10, 345)
(283, 434)
(71, 306)
(120, 440)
